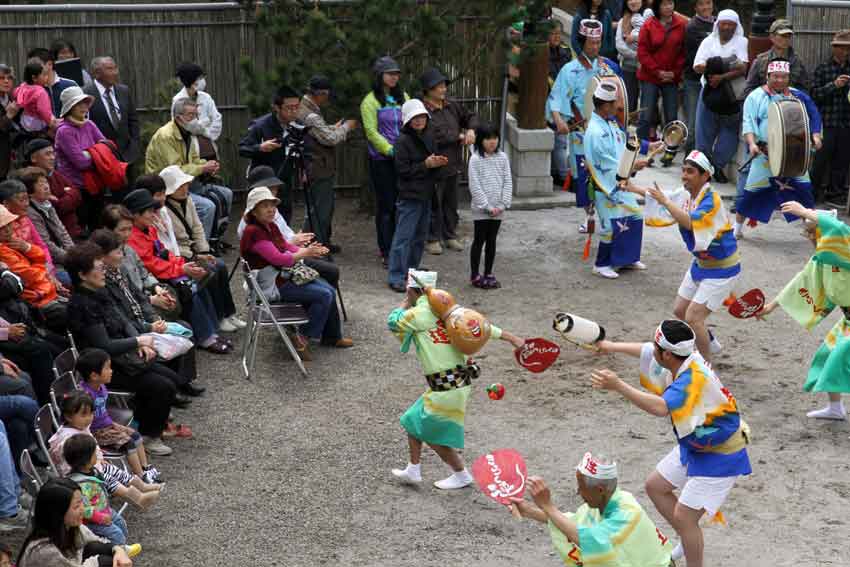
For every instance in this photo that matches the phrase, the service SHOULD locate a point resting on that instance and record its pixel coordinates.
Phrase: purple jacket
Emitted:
(71, 140)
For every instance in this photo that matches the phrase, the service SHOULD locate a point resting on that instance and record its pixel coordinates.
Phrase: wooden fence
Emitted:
(149, 40)
(815, 22)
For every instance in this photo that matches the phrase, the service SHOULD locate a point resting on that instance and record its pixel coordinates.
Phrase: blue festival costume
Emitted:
(567, 99)
(620, 218)
(764, 193)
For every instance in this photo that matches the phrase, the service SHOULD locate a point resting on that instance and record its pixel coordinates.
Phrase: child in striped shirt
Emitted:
(491, 188)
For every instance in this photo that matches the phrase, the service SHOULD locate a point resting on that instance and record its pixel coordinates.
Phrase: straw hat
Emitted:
(5, 216)
(70, 97)
(174, 178)
(257, 196)
(841, 38)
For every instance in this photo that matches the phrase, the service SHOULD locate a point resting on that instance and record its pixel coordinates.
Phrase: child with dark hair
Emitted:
(491, 187)
(80, 451)
(33, 98)
(95, 369)
(5, 555)
(77, 417)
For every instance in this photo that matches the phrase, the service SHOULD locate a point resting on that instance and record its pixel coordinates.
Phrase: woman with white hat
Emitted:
(263, 246)
(415, 163)
(75, 135)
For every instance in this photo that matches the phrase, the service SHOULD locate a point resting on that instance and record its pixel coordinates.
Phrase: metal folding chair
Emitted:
(262, 313)
(64, 362)
(44, 428)
(30, 480)
(60, 388)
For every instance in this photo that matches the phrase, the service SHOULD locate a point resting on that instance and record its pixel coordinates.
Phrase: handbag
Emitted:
(301, 274)
(169, 347)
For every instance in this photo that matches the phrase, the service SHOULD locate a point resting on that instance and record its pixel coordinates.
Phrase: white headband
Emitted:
(606, 92)
(590, 28)
(778, 67)
(701, 160)
(592, 468)
(684, 348)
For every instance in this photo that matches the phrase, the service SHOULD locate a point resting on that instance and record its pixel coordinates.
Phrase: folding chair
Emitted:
(64, 362)
(44, 428)
(60, 388)
(67, 360)
(262, 313)
(31, 480)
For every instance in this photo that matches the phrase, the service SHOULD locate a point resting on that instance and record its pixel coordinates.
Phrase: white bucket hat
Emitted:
(411, 109)
(70, 97)
(257, 196)
(174, 178)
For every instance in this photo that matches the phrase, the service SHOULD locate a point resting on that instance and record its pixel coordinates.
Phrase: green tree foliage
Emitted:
(342, 39)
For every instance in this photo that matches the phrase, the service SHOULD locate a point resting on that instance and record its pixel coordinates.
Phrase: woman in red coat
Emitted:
(661, 54)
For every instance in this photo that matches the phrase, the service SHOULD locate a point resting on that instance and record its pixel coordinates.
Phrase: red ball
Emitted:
(496, 391)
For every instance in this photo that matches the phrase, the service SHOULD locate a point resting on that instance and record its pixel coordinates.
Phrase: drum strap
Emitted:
(787, 92)
(711, 263)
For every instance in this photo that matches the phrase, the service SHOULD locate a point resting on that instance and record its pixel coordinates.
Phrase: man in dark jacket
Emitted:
(8, 111)
(113, 109)
(452, 127)
(322, 140)
(781, 37)
(415, 161)
(268, 143)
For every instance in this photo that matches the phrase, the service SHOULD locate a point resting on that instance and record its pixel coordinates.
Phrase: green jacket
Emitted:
(167, 147)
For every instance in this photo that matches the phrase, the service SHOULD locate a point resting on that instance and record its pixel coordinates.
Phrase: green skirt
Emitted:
(830, 369)
(437, 418)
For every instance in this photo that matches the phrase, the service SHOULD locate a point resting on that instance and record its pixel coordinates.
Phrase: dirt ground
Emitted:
(292, 471)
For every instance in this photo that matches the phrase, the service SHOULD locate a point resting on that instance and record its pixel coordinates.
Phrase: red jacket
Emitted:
(661, 49)
(154, 253)
(67, 202)
(107, 172)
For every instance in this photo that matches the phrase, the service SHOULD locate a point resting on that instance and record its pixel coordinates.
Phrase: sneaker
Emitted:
(715, 345)
(456, 481)
(605, 272)
(636, 266)
(344, 342)
(17, 522)
(237, 322)
(407, 477)
(490, 282)
(454, 244)
(152, 476)
(475, 281)
(839, 414)
(434, 247)
(155, 446)
(226, 326)
(582, 228)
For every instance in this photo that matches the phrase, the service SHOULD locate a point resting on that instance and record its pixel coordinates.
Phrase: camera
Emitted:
(293, 142)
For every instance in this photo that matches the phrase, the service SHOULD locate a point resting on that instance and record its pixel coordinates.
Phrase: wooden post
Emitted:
(533, 87)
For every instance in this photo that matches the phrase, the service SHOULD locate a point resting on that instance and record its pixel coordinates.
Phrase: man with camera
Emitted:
(277, 140)
(322, 139)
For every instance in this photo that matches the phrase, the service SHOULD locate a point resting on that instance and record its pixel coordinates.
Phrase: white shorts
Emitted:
(696, 492)
(708, 292)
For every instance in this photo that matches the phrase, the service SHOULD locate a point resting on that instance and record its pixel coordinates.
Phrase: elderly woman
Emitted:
(59, 538)
(453, 127)
(29, 263)
(66, 197)
(42, 213)
(193, 245)
(263, 246)
(175, 270)
(97, 321)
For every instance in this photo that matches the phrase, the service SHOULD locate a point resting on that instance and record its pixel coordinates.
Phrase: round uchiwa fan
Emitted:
(748, 305)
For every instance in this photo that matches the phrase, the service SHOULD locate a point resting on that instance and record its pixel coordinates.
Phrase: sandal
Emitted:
(218, 347)
(182, 430)
(476, 281)
(490, 282)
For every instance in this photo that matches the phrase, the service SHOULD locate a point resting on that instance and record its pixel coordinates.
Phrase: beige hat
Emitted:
(257, 196)
(174, 178)
(5, 216)
(841, 38)
(781, 27)
(70, 97)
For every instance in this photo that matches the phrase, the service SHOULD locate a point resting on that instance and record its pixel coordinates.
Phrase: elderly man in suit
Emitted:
(113, 109)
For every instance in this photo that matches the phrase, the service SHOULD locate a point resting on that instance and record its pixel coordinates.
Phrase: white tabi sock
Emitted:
(678, 552)
(835, 410)
(459, 479)
(739, 229)
(411, 473)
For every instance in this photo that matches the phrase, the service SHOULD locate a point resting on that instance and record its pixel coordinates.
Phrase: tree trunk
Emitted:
(533, 87)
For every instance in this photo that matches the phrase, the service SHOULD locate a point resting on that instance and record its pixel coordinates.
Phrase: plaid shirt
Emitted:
(832, 101)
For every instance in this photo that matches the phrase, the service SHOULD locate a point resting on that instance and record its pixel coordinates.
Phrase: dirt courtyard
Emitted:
(292, 471)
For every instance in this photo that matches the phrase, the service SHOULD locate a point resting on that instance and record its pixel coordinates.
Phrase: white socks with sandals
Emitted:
(835, 410)
(412, 474)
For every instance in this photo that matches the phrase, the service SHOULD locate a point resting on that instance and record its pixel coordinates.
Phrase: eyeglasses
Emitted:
(291, 107)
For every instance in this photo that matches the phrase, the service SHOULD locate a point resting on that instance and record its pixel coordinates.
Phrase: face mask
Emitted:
(200, 84)
(194, 126)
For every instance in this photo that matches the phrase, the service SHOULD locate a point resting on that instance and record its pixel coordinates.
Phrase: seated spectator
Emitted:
(12, 516)
(17, 412)
(8, 112)
(29, 263)
(32, 97)
(194, 247)
(74, 137)
(43, 215)
(175, 270)
(176, 144)
(22, 342)
(66, 197)
(263, 176)
(262, 245)
(59, 538)
(137, 311)
(14, 381)
(163, 297)
(195, 89)
(14, 196)
(63, 50)
(97, 322)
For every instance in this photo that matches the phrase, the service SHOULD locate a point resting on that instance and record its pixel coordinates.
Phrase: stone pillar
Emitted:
(530, 153)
